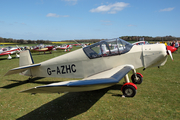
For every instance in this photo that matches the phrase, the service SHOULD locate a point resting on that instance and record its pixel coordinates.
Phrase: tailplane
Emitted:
(25, 64)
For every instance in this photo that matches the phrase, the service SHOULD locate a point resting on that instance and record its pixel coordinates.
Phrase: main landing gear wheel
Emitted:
(129, 91)
(138, 80)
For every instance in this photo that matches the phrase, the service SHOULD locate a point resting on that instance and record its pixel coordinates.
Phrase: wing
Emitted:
(42, 50)
(5, 53)
(97, 81)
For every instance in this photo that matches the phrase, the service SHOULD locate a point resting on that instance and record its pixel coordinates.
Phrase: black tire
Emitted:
(139, 81)
(129, 91)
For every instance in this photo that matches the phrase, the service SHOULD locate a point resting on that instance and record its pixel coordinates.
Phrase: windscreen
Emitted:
(107, 48)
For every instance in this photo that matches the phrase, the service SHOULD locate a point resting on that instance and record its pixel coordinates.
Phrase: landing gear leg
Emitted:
(9, 57)
(17, 56)
(126, 78)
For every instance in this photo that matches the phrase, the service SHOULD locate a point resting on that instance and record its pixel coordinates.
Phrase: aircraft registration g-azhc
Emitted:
(101, 65)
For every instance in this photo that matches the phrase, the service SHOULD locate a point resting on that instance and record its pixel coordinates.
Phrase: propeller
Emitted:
(19, 49)
(169, 52)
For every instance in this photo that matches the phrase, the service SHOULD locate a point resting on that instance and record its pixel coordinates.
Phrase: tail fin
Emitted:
(25, 58)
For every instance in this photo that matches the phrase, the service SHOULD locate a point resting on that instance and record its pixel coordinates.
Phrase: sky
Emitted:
(58, 20)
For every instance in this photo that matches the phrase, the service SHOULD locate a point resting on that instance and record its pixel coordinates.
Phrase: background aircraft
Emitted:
(140, 43)
(99, 68)
(171, 48)
(10, 50)
(65, 48)
(42, 48)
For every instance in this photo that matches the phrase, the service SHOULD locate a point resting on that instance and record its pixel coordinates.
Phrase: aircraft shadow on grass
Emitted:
(36, 53)
(18, 83)
(68, 105)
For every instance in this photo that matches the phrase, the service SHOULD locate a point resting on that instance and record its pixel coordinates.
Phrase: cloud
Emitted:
(107, 23)
(52, 15)
(23, 23)
(1, 21)
(167, 9)
(40, 2)
(110, 8)
(56, 15)
(130, 25)
(71, 2)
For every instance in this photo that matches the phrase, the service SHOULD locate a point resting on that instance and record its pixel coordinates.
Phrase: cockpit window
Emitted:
(107, 48)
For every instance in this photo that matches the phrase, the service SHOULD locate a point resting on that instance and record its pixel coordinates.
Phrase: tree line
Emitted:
(22, 41)
(131, 38)
(127, 38)
(148, 38)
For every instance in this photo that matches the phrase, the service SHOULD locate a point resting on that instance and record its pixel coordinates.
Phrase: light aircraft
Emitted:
(10, 50)
(42, 49)
(171, 48)
(65, 48)
(101, 65)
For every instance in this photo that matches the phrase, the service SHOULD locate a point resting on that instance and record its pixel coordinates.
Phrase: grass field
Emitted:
(158, 97)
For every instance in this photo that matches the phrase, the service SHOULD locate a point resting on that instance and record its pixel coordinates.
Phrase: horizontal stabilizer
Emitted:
(21, 69)
(84, 85)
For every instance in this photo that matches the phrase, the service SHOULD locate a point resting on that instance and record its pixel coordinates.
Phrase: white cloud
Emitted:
(64, 15)
(107, 23)
(52, 15)
(40, 2)
(130, 25)
(110, 8)
(167, 9)
(1, 21)
(71, 2)
(23, 23)
(55, 15)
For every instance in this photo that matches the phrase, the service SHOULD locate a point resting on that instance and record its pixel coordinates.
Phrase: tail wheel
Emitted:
(129, 91)
(138, 80)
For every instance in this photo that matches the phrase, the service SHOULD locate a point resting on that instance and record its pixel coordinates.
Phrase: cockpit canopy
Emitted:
(107, 48)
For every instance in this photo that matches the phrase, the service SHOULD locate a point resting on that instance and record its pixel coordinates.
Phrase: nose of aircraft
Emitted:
(154, 55)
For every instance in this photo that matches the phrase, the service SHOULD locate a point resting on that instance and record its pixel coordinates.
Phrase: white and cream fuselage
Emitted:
(76, 64)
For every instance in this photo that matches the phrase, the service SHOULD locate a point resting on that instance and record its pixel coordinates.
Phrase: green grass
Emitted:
(158, 97)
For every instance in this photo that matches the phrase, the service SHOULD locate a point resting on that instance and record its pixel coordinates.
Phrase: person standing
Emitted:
(173, 44)
(176, 45)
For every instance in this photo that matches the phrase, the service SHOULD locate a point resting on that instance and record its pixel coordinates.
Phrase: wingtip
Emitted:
(6, 74)
(28, 90)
